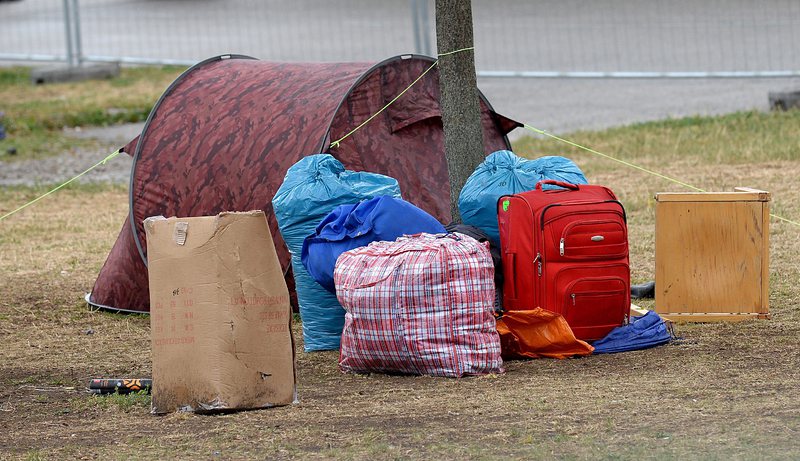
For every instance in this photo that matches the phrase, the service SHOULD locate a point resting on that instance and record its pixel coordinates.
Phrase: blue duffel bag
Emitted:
(356, 225)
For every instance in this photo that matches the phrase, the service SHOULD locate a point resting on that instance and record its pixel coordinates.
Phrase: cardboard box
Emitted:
(220, 315)
(712, 255)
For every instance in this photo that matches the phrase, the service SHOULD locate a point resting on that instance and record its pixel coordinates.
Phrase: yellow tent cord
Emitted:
(57, 188)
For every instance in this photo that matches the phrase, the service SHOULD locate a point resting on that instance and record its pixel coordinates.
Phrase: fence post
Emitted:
(425, 19)
(416, 25)
(72, 27)
(76, 27)
(422, 25)
(68, 30)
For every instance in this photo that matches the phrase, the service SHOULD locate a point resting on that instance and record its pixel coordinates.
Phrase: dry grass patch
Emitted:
(722, 391)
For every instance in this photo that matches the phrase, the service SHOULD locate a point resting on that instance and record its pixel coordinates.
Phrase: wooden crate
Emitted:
(712, 255)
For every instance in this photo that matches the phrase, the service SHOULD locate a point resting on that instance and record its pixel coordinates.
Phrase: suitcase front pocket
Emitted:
(595, 303)
(595, 239)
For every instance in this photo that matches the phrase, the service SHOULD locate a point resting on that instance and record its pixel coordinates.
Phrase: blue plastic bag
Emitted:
(645, 331)
(312, 188)
(352, 226)
(504, 173)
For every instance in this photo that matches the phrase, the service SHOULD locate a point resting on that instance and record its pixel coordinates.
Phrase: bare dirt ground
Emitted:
(723, 391)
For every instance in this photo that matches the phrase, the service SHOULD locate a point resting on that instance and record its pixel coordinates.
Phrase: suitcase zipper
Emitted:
(581, 202)
(562, 247)
(573, 295)
(538, 261)
(618, 293)
(561, 296)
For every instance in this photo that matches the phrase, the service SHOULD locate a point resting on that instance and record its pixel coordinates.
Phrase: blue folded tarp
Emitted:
(646, 331)
(356, 225)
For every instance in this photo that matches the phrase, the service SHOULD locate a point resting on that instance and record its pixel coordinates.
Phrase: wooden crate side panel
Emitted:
(709, 257)
(764, 310)
(741, 195)
(703, 318)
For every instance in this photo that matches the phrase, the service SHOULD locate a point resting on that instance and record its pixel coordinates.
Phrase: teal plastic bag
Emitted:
(312, 188)
(504, 173)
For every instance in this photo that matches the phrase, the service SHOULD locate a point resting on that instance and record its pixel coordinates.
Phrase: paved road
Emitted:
(603, 35)
(563, 106)
(568, 105)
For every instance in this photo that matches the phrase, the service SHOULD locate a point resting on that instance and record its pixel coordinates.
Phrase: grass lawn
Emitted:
(722, 391)
(35, 115)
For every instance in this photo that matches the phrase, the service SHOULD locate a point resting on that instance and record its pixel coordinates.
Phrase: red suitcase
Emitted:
(566, 250)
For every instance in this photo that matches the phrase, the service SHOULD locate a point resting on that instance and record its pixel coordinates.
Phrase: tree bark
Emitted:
(461, 115)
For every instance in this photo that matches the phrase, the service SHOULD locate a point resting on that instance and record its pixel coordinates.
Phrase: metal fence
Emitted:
(513, 38)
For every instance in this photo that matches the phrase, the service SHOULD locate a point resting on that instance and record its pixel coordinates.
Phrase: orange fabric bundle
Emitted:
(538, 333)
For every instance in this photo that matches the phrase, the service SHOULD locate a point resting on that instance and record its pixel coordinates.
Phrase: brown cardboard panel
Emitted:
(220, 315)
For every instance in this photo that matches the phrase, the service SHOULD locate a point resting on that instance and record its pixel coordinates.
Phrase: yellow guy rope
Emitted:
(361, 125)
(631, 165)
(101, 162)
(336, 143)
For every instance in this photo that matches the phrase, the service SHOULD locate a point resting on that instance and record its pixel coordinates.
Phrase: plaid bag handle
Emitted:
(371, 283)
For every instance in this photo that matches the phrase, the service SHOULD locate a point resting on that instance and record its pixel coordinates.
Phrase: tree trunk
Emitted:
(461, 115)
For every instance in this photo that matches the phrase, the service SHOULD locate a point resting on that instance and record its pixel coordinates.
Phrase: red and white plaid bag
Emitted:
(420, 305)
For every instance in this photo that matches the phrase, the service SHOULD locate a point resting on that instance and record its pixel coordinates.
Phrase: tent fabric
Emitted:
(504, 173)
(538, 333)
(122, 284)
(223, 135)
(645, 331)
(382, 218)
(313, 187)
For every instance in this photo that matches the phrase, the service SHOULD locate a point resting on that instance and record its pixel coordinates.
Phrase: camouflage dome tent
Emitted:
(222, 136)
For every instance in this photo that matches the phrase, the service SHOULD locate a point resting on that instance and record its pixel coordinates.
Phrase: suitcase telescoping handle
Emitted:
(565, 185)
